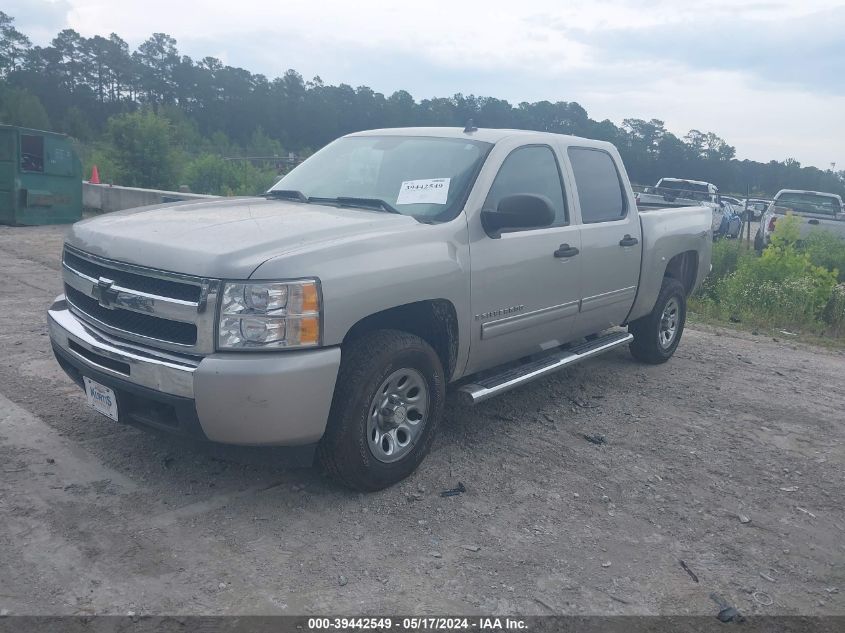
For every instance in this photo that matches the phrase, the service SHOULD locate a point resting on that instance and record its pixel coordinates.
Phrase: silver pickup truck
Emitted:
(333, 312)
(815, 210)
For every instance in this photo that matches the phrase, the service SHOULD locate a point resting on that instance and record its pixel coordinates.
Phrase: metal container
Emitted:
(40, 177)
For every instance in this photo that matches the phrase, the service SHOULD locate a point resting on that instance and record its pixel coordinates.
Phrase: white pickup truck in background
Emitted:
(681, 192)
(816, 210)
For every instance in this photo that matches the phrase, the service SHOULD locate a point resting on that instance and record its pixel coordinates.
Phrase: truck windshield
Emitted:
(808, 203)
(426, 177)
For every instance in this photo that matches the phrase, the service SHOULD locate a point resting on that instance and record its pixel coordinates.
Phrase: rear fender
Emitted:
(676, 242)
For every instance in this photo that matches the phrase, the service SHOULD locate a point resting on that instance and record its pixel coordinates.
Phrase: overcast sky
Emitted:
(768, 76)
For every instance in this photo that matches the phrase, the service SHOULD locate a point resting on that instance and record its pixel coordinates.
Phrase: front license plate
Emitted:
(101, 398)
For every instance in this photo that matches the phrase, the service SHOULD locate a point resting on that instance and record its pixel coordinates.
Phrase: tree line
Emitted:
(101, 92)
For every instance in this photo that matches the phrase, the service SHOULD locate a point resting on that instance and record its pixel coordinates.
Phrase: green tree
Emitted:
(141, 151)
(262, 145)
(213, 174)
(76, 124)
(13, 45)
(157, 59)
(68, 46)
(19, 107)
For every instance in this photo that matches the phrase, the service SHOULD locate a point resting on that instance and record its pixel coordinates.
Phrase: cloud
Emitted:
(806, 51)
(761, 124)
(40, 20)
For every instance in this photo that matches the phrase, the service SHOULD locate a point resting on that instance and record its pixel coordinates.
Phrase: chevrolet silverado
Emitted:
(332, 312)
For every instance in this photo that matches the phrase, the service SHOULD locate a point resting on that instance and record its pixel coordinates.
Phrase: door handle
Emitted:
(628, 241)
(812, 221)
(566, 250)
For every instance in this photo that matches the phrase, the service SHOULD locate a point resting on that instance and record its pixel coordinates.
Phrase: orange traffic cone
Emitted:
(95, 176)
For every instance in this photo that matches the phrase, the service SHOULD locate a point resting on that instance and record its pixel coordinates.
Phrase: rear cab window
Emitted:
(808, 202)
(601, 192)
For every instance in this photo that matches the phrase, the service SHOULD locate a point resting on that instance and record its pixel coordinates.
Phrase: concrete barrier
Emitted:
(106, 198)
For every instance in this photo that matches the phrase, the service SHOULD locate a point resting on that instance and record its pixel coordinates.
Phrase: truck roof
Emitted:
(693, 182)
(812, 193)
(487, 135)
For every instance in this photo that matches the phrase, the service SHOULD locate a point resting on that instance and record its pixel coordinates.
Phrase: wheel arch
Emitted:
(433, 320)
(684, 268)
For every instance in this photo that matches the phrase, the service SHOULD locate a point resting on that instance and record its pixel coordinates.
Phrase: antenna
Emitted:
(470, 127)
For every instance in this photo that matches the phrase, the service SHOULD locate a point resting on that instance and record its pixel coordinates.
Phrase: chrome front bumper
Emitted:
(279, 398)
(162, 372)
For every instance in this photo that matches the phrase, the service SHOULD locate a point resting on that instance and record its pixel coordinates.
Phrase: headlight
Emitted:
(269, 315)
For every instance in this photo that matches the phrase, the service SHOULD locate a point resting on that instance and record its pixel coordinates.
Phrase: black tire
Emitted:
(758, 242)
(366, 363)
(649, 344)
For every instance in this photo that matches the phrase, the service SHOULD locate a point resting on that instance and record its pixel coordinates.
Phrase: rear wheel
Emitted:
(387, 405)
(656, 335)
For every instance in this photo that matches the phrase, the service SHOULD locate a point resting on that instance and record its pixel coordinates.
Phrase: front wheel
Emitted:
(656, 335)
(387, 405)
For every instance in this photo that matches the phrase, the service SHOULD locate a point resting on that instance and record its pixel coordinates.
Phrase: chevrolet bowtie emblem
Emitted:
(104, 293)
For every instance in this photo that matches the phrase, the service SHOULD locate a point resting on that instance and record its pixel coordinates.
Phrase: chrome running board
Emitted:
(480, 390)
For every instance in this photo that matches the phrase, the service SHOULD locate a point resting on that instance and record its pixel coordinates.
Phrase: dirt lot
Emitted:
(730, 458)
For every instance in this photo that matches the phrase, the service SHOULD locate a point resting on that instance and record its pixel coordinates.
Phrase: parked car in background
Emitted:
(756, 206)
(735, 202)
(816, 210)
(731, 223)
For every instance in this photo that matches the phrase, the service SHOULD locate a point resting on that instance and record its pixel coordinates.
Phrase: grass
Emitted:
(796, 285)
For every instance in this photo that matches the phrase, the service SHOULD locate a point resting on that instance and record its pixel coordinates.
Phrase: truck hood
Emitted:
(226, 238)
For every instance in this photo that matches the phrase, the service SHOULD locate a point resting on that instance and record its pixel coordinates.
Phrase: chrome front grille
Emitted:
(156, 308)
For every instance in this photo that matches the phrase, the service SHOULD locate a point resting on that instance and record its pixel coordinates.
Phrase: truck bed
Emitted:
(666, 232)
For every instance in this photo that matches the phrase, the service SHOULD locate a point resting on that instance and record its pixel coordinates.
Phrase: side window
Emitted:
(600, 190)
(534, 170)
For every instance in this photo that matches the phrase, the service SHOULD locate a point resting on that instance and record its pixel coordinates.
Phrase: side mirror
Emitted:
(519, 211)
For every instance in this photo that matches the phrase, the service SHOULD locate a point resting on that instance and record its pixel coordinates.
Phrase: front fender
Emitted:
(362, 277)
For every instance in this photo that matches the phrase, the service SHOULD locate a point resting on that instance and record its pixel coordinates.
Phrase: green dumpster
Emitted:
(40, 177)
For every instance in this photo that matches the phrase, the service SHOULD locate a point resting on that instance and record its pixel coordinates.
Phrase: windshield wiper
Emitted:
(368, 203)
(287, 194)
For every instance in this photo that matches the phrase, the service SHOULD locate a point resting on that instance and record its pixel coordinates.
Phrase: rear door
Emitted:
(525, 284)
(7, 176)
(611, 241)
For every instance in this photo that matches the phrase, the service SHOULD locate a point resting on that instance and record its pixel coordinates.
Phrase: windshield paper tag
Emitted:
(431, 191)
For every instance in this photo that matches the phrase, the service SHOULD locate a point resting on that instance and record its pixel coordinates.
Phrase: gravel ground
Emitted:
(730, 458)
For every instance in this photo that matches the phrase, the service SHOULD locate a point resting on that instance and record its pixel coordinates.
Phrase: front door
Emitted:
(611, 239)
(525, 284)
